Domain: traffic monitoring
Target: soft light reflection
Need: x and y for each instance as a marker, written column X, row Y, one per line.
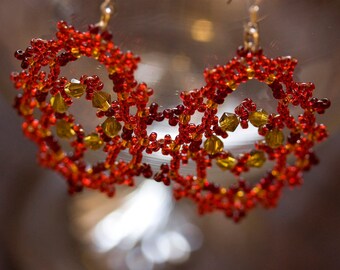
column 152, row 69
column 142, row 228
column 146, row 209
column 202, row 30
column 181, row 63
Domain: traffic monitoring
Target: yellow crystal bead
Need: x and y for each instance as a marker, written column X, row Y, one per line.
column 256, row 159
column 270, row 79
column 111, row 127
column 250, row 73
column 275, row 138
column 232, row 85
column 25, row 109
column 229, row 122
column 75, row 51
column 258, row 118
column 226, row 163
column 93, row 141
column 213, row 145
column 58, row 103
column 211, row 104
column 64, row 129
column 240, row 194
column 95, row 53
column 184, row 118
column 101, row 100
column 75, row 88
column 112, row 70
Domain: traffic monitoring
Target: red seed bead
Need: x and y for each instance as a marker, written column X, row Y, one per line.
column 120, row 130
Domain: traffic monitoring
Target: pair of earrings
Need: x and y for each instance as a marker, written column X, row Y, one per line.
column 202, row 144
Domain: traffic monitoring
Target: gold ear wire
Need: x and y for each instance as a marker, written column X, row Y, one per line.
column 251, row 30
column 108, row 8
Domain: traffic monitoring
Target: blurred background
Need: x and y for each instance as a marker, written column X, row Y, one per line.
column 41, row 227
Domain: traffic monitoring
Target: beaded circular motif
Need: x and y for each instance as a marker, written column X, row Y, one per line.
column 120, row 130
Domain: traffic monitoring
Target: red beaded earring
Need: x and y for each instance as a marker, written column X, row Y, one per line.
column 202, row 144
column 52, row 95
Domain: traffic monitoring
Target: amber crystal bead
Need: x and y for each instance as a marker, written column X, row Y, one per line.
column 256, row 159
column 75, row 88
column 213, row 145
column 232, row 85
column 227, row 163
column 93, row 141
column 111, row 127
column 64, row 129
column 101, row 100
column 270, row 79
column 58, row 103
column 184, row 119
column 250, row 73
column 274, row 138
column 229, row 122
column 258, row 118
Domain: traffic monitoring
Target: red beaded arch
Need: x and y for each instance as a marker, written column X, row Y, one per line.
column 200, row 143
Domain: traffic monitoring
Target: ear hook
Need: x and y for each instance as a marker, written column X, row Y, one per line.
column 108, row 8
column 251, row 30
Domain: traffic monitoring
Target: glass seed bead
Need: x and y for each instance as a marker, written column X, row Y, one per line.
column 184, row 118
column 64, row 129
column 226, row 163
column 229, row 122
column 250, row 73
column 213, row 145
column 232, row 85
column 275, row 138
column 75, row 52
column 256, row 159
column 101, row 100
column 111, row 127
column 93, row 141
column 75, row 88
column 58, row 103
column 270, row 79
column 258, row 118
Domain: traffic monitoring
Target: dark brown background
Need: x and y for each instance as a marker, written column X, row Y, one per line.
column 302, row 233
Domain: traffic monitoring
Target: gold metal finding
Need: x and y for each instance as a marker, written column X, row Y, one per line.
column 251, row 30
column 107, row 8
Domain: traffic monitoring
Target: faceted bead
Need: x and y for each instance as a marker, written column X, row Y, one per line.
column 75, row 52
column 229, row 122
column 226, row 163
column 111, row 127
column 256, row 159
column 75, row 88
column 93, row 141
column 184, row 119
column 58, row 103
column 64, row 129
column 250, row 73
column 232, row 85
column 25, row 110
column 258, row 118
column 275, row 138
column 270, row 79
column 101, row 100
column 213, row 145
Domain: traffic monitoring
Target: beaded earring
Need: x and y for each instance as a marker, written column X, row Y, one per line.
column 53, row 95
column 302, row 133
column 202, row 144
